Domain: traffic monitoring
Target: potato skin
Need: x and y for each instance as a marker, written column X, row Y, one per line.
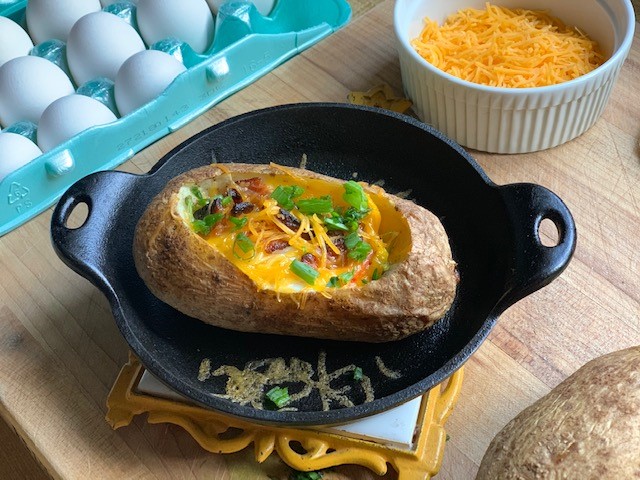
column 588, row 427
column 182, row 270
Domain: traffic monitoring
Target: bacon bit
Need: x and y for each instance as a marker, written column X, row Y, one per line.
column 256, row 184
column 288, row 219
column 216, row 205
column 275, row 245
column 242, row 207
column 235, row 195
column 310, row 260
column 334, row 259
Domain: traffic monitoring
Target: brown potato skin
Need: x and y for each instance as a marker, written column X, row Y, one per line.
column 588, row 427
column 182, row 270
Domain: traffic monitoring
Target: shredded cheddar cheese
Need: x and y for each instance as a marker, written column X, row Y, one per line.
column 501, row 47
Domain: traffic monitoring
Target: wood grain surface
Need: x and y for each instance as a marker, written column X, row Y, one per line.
column 60, row 350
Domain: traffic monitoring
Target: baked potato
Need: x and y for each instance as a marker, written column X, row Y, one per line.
column 264, row 248
column 588, row 427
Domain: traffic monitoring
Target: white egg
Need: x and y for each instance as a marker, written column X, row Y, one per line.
column 27, row 86
column 263, row 6
column 144, row 77
column 190, row 21
column 53, row 19
column 14, row 41
column 15, row 151
column 98, row 45
column 69, row 116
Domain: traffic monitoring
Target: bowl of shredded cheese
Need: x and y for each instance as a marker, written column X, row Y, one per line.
column 514, row 76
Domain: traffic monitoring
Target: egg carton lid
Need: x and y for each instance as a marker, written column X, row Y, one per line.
column 246, row 46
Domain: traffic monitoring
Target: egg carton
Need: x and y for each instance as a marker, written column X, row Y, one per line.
column 246, row 46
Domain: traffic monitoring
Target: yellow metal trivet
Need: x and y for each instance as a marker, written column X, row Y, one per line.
column 219, row 433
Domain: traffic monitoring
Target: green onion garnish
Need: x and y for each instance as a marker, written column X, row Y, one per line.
column 360, row 251
column 354, row 195
column 358, row 248
column 341, row 280
column 238, row 222
column 351, row 240
column 246, row 246
column 309, row 206
column 205, row 225
column 335, row 224
column 357, row 374
column 304, row 271
column 285, row 195
column 279, row 396
column 188, row 202
column 196, row 192
column 334, row 282
column 376, row 275
column 305, row 476
column 226, row 201
column 346, row 277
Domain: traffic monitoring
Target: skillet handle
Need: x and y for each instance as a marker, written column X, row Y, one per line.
column 536, row 265
column 81, row 248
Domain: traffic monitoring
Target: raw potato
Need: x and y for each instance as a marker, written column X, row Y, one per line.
column 184, row 271
column 588, row 427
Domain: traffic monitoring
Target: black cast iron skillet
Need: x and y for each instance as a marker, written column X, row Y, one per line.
column 493, row 232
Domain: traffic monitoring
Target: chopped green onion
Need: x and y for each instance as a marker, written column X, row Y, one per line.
column 346, row 277
column 305, row 476
column 335, row 224
column 304, row 271
column 205, row 225
column 354, row 195
column 279, row 396
column 188, row 202
column 365, row 281
column 309, row 206
column 351, row 240
column 357, row 374
column 238, row 222
column 213, row 218
column 245, row 244
column 226, row 201
column 341, row 280
column 200, row 227
column 376, row 275
column 285, row 195
column 334, row 282
column 360, row 251
column 196, row 192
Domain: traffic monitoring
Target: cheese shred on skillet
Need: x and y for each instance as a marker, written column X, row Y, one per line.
column 501, row 47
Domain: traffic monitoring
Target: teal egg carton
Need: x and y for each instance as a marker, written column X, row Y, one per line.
column 246, row 46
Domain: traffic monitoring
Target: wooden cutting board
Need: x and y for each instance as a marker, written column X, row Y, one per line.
column 60, row 350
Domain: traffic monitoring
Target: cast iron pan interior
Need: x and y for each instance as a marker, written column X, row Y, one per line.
column 492, row 230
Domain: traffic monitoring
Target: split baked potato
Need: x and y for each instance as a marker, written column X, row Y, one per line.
column 588, row 427
column 271, row 249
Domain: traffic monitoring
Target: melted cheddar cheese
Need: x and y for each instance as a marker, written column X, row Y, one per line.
column 266, row 240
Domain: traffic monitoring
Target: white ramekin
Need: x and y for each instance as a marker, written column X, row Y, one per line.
column 513, row 120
